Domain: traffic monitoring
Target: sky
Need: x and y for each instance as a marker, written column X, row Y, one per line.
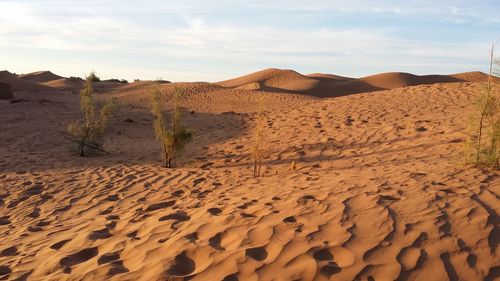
column 213, row 40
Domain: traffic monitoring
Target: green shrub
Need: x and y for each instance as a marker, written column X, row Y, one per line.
column 87, row 134
column 483, row 145
column 172, row 138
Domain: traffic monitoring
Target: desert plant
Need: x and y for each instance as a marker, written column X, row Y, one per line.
column 174, row 138
column 88, row 133
column 483, row 146
column 93, row 77
column 257, row 149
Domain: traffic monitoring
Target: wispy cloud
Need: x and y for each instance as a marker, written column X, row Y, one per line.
column 214, row 40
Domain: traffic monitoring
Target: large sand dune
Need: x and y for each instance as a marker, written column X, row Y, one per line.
column 329, row 85
column 40, row 76
column 379, row 192
column 19, row 84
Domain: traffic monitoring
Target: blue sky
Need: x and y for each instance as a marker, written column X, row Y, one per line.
column 213, row 40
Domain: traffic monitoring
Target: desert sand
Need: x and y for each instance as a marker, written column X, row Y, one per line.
column 379, row 192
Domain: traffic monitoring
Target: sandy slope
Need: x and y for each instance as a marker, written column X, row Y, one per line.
column 378, row 193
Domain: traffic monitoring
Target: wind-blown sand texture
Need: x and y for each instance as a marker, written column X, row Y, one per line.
column 378, row 194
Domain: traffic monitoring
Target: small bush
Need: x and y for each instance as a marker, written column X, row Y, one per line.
column 87, row 134
column 483, row 145
column 172, row 138
column 93, row 77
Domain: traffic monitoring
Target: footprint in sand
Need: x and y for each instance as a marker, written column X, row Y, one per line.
column 161, row 205
column 215, row 242
column 108, row 258
column 133, row 234
column 214, row 211
column 113, row 198
column 198, row 180
column 247, row 216
column 231, row 277
column 11, row 251
column 5, row 271
column 34, row 190
column 330, row 269
column 61, row 210
column 107, row 211
column 258, row 254
column 117, row 267
column 323, row 255
column 4, row 220
column 100, row 234
column 59, row 244
column 182, row 266
column 178, row 193
column 178, row 217
column 34, row 228
column 192, row 237
column 304, row 199
column 79, row 257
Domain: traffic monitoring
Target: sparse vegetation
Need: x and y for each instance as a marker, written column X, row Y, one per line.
column 483, row 145
column 257, row 151
column 114, row 80
column 88, row 133
column 93, row 77
column 174, row 138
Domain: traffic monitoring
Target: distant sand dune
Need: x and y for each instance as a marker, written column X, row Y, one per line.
column 40, row 76
column 19, row 84
column 329, row 85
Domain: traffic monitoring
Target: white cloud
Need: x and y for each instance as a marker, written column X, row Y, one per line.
column 102, row 36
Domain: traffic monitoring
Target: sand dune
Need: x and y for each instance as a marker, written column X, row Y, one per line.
column 19, row 84
column 67, row 84
column 378, row 194
column 329, row 85
column 40, row 76
column 273, row 80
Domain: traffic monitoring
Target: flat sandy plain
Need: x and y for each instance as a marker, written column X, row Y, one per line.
column 379, row 192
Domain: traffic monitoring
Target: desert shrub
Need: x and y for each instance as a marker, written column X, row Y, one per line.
column 483, row 145
column 258, row 135
column 93, row 77
column 87, row 134
column 172, row 138
column 115, row 80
